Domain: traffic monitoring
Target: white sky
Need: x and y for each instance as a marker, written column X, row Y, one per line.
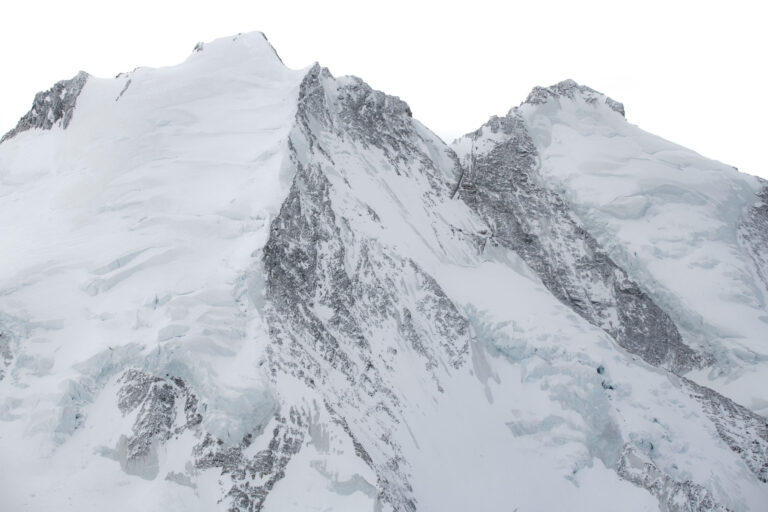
column 692, row 72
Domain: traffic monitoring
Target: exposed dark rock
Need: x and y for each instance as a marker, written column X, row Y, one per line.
column 673, row 495
column 570, row 89
column 155, row 399
column 52, row 107
column 501, row 182
column 745, row 432
column 376, row 119
column 253, row 478
column 6, row 354
column 753, row 234
column 125, row 88
column 11, row 331
column 308, row 271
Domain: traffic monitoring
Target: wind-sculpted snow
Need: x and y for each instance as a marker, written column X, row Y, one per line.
column 502, row 183
column 55, row 106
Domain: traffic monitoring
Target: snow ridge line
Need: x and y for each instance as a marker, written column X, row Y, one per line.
column 306, row 260
column 503, row 185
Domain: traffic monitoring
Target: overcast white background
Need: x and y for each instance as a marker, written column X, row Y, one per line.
column 692, row 72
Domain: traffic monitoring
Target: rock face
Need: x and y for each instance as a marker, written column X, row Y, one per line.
column 278, row 291
column 156, row 402
column 253, row 477
column 54, row 107
column 11, row 329
column 570, row 89
column 322, row 316
column 745, row 432
column 165, row 408
column 753, row 234
column 501, row 182
column 673, row 495
column 5, row 352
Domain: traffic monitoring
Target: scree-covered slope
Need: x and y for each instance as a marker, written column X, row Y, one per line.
column 229, row 285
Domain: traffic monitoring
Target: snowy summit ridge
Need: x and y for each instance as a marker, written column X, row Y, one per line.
column 255, row 42
column 570, row 89
column 237, row 286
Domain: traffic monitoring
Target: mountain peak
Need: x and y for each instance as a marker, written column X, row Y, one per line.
column 227, row 280
column 570, row 89
column 254, row 43
column 245, row 51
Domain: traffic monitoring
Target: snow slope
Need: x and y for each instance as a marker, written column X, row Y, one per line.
column 671, row 218
column 237, row 286
column 131, row 231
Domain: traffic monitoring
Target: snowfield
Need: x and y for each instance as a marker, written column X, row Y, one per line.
column 228, row 285
column 671, row 218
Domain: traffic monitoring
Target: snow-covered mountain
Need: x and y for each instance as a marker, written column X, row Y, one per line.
column 229, row 285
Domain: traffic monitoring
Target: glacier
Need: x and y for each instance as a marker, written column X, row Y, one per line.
column 230, row 285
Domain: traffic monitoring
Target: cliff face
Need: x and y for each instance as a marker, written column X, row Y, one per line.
column 53, row 107
column 501, row 181
column 237, row 286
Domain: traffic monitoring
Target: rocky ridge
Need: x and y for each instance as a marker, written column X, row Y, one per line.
column 56, row 106
column 500, row 181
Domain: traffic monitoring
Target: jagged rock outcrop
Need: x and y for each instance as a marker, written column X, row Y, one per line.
column 6, row 349
column 253, row 477
column 156, row 402
column 11, row 331
column 165, row 408
column 673, row 495
column 54, row 107
column 325, row 304
column 5, row 352
column 753, row 234
column 501, row 182
column 570, row 89
column 745, row 432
